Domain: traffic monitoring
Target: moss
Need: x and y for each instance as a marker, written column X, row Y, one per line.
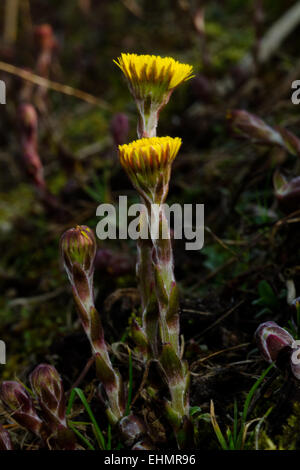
column 87, row 128
column 290, row 437
column 15, row 203
column 265, row 442
column 57, row 182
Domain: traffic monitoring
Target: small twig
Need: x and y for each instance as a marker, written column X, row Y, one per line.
column 219, row 320
column 45, row 82
column 85, row 370
column 221, row 242
column 37, row 299
column 197, row 312
column 215, row 272
column 285, row 220
column 217, row 353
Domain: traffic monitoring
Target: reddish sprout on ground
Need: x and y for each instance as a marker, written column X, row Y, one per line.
column 252, row 127
column 28, row 129
column 28, row 126
column 46, row 44
column 44, row 37
column 49, row 423
column 291, row 141
column 271, row 339
column 199, row 21
column 119, row 127
column 47, row 385
column 21, row 406
column 249, row 126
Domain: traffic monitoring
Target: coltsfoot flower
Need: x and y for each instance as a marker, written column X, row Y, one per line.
column 148, row 164
column 151, row 80
column 149, row 154
column 153, row 75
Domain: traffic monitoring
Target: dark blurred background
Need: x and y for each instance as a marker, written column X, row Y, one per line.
column 73, row 43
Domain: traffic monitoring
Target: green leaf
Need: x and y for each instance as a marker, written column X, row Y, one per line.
column 267, row 295
column 81, row 436
column 97, row 431
column 194, row 410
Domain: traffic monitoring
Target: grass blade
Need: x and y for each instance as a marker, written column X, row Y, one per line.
column 98, row 434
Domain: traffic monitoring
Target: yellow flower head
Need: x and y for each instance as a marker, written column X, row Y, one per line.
column 149, row 154
column 154, row 76
column 148, row 165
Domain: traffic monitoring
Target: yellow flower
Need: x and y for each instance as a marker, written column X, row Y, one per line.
column 154, row 69
column 151, row 80
column 150, row 153
column 148, row 164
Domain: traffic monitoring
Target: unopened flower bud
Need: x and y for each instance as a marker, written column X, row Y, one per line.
column 44, row 36
column 28, row 119
column 47, row 385
column 78, row 246
column 78, row 250
column 28, row 124
column 287, row 192
column 119, row 128
column 199, row 21
column 291, row 142
column 250, row 126
column 271, row 339
column 17, row 400
column 15, row 396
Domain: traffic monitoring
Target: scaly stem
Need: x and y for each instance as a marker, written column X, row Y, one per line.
column 92, row 326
